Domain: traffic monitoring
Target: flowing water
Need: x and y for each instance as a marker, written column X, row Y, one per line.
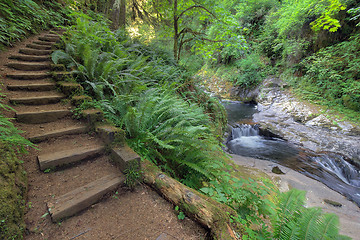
column 332, row 169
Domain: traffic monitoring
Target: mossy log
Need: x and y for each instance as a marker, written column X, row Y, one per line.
column 202, row 209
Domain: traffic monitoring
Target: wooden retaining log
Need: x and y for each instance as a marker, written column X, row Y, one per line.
column 202, row 209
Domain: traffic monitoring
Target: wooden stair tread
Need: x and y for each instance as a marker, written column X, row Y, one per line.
column 41, row 116
column 52, row 35
column 56, row 159
column 58, row 133
column 44, row 43
column 29, row 51
column 47, row 86
column 38, row 46
column 37, row 100
column 30, row 58
column 28, row 75
column 29, row 66
column 49, row 38
column 83, row 197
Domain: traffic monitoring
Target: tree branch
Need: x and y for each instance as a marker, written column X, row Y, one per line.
column 196, row 6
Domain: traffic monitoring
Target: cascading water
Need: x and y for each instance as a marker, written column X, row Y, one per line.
column 347, row 172
column 329, row 168
column 246, row 141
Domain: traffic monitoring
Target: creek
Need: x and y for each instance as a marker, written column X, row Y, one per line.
column 247, row 139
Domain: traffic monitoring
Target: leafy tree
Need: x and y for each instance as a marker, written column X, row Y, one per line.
column 202, row 25
column 327, row 21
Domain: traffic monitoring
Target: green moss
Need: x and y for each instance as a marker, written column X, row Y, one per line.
column 13, row 187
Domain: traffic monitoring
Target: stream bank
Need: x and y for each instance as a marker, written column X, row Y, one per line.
column 303, row 127
column 317, row 193
column 301, row 123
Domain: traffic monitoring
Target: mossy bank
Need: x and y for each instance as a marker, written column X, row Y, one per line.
column 13, row 188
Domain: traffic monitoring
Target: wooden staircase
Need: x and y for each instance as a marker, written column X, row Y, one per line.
column 63, row 142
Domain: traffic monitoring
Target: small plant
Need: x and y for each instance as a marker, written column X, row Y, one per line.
column 132, row 175
column 115, row 195
column 180, row 214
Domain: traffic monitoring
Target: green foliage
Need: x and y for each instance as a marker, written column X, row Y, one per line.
column 175, row 134
column 132, row 175
column 355, row 12
column 134, row 85
column 13, row 187
column 21, row 18
column 248, row 197
column 332, row 75
column 250, row 71
column 9, row 134
column 180, row 214
column 327, row 21
column 294, row 221
column 287, row 32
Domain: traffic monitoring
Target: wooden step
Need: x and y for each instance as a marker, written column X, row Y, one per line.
column 42, row 116
column 58, row 29
column 49, row 39
column 52, row 35
column 30, row 58
column 124, row 156
column 83, row 197
column 57, row 159
column 43, row 43
column 38, row 46
column 54, row 98
column 29, row 51
column 58, row 133
column 28, row 75
column 32, row 87
column 29, row 66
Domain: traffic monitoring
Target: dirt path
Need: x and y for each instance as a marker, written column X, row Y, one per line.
column 107, row 210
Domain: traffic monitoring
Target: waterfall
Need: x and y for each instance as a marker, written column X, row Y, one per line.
column 244, row 130
column 336, row 164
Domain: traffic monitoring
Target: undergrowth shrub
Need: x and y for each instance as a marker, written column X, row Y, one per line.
column 13, row 181
column 13, row 187
column 123, row 75
column 21, row 18
column 332, row 75
column 251, row 71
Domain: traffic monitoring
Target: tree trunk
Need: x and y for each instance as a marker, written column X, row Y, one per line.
column 115, row 14
column 122, row 21
column 204, row 210
column 176, row 31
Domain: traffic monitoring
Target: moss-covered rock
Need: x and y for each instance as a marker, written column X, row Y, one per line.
column 13, row 188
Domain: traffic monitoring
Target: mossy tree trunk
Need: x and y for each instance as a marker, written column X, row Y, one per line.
column 204, row 210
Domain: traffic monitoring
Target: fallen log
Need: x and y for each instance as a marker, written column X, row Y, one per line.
column 202, row 209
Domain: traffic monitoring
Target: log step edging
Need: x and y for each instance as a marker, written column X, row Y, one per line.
column 29, row 51
column 41, row 116
column 57, row 159
column 54, row 98
column 28, row 76
column 32, row 87
column 58, row 133
column 30, row 58
column 83, row 197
